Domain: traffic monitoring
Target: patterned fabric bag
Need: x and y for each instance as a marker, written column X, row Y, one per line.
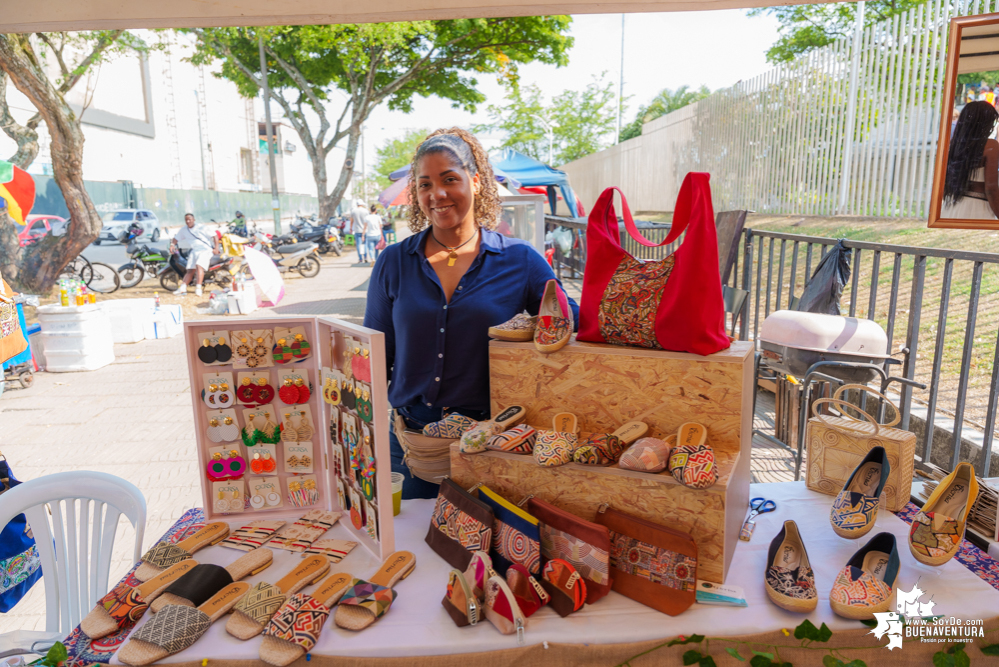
column 651, row 564
column 12, row 340
column 20, row 565
column 627, row 301
column 460, row 525
column 516, row 534
column 583, row 544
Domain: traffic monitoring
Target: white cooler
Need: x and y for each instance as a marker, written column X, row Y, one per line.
column 128, row 318
column 76, row 338
column 164, row 322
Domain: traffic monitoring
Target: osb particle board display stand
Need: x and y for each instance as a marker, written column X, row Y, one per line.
column 326, row 337
column 606, row 386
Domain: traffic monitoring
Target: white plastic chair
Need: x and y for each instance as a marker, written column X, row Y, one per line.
column 75, row 541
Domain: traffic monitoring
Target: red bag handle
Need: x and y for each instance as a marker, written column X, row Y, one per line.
column 681, row 216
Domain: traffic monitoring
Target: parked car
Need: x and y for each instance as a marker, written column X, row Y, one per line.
column 39, row 226
column 116, row 222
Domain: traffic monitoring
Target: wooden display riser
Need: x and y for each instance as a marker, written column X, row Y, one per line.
column 606, row 386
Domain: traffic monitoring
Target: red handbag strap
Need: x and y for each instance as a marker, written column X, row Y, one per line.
column 681, row 216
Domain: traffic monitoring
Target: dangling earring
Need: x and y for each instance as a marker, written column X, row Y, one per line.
column 207, row 353
column 256, row 465
column 229, row 430
column 223, row 353
column 243, row 349
column 305, row 431
column 281, row 352
column 216, row 469
column 265, row 392
column 247, row 393
column 214, row 431
column 304, row 393
column 221, row 504
column 225, row 397
column 269, row 465
column 210, row 395
column 236, row 463
column 290, row 432
column 250, row 432
column 288, row 392
column 257, row 502
column 300, row 348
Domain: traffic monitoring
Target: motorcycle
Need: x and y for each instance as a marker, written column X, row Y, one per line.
column 143, row 259
column 308, row 232
column 299, row 257
column 219, row 270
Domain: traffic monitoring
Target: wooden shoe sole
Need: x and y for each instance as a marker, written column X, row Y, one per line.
column 855, row 533
column 252, row 562
column 121, row 608
column 287, row 637
column 251, row 615
column 789, row 603
column 358, row 614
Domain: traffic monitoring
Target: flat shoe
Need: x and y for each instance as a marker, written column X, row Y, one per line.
column 647, row 455
column 554, row 327
column 367, row 601
column 692, row 461
column 518, row 440
column 855, row 509
column 294, row 629
column 254, row 611
column 937, row 529
column 603, row 449
column 165, row 554
column 790, row 582
column 556, row 447
column 864, row 586
column 452, row 426
column 517, row 329
column 124, row 605
column 204, row 579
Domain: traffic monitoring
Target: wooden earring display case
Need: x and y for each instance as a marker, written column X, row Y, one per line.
column 326, row 337
column 606, row 386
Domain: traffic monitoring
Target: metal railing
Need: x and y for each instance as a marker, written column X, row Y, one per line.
column 947, row 336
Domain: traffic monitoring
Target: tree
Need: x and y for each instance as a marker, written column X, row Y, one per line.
column 663, row 103
column 24, row 61
column 310, row 66
column 807, row 27
column 396, row 154
column 581, row 121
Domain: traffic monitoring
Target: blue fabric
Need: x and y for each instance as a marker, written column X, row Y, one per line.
column 19, row 562
column 416, row 417
column 438, row 353
column 531, row 173
column 369, row 243
column 23, row 357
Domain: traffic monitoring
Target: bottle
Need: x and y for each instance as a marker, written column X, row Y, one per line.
column 156, row 298
column 63, row 295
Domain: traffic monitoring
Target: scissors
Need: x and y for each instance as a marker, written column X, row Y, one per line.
column 757, row 506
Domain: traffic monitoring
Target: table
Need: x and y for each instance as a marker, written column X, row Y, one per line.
column 417, row 625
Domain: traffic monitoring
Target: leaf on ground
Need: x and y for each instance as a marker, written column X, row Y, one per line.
column 691, row 657
column 735, row 654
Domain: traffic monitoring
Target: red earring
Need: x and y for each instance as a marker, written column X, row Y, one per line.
column 268, row 463
column 264, row 392
column 304, row 394
column 247, row 393
column 257, row 465
column 288, row 392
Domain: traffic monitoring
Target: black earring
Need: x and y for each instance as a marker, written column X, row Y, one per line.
column 223, row 352
column 207, row 353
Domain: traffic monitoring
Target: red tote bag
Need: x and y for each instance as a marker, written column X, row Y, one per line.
column 670, row 304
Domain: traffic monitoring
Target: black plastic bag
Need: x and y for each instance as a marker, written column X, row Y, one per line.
column 825, row 288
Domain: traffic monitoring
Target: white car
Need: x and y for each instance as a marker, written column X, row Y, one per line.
column 117, row 222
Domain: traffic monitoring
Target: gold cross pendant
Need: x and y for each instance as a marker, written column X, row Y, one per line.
column 452, row 258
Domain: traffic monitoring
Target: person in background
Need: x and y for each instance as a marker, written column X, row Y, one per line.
column 203, row 245
column 971, row 184
column 358, row 223
column 372, row 234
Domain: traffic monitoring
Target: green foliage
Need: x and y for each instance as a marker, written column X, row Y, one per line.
column 832, row 661
column 807, row 27
column 692, row 657
column 808, row 631
column 56, row 655
column 760, row 659
column 681, row 640
column 991, row 649
column 666, row 101
column 976, row 78
column 581, row 120
column 954, row 656
column 397, row 153
column 735, row 654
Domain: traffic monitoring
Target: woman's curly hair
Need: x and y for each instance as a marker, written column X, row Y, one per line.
column 466, row 149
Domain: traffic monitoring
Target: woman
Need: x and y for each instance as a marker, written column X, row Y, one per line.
column 436, row 293
column 971, row 185
column 372, row 233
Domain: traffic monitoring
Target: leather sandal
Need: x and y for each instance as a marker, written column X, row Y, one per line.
column 205, row 579
column 165, row 554
column 124, row 605
column 251, row 614
column 367, row 601
column 295, row 628
column 178, row 627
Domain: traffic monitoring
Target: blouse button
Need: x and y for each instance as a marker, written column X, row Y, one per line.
column 445, row 307
column 440, row 356
column 459, row 288
column 437, row 379
column 442, row 330
column 429, row 405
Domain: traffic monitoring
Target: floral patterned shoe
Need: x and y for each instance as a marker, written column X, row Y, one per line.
column 938, row 528
column 864, row 586
column 855, row 509
column 554, row 320
column 519, row 328
column 452, row 426
column 790, row 582
column 602, row 449
column 554, row 448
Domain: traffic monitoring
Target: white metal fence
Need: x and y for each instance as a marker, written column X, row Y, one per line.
column 848, row 129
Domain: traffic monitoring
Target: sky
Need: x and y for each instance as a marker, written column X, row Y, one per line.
column 662, row 50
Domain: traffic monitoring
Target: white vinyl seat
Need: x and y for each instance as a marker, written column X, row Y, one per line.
column 73, row 517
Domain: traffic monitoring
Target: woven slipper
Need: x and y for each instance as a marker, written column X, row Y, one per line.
column 124, row 605
column 367, row 601
column 555, row 448
column 518, row 440
column 692, row 461
column 178, row 627
column 204, row 579
column 164, row 554
column 451, row 427
column 251, row 615
column 606, row 448
column 295, row 628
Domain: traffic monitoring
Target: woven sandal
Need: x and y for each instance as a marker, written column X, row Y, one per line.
column 164, row 554
column 604, row 449
column 178, row 627
column 692, row 461
column 555, row 448
column 204, row 579
column 251, row 615
column 367, row 601
column 554, row 328
column 517, row 440
column 295, row 628
column 124, row 605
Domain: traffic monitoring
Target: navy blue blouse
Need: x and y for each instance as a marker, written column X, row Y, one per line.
column 438, row 351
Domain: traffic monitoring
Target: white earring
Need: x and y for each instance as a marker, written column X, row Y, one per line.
column 228, row 431
column 214, row 430
column 257, row 502
column 221, row 505
column 273, row 499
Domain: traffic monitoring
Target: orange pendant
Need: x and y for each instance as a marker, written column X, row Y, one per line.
column 452, row 258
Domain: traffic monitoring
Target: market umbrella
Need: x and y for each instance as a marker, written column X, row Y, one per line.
column 265, row 273
column 396, row 194
column 17, row 188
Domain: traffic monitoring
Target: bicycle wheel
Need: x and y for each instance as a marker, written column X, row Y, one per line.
column 131, row 274
column 103, row 278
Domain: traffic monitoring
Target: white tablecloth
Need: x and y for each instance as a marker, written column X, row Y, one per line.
column 418, row 625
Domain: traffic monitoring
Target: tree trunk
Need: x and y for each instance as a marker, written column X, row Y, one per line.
column 345, row 173
column 39, row 265
column 25, row 135
column 327, row 207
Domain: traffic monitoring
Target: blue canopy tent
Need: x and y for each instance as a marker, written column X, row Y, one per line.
column 532, row 173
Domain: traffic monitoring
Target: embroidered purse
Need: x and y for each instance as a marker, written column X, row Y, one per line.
column 502, row 609
column 565, row 586
column 12, row 340
column 583, row 544
column 516, row 534
column 651, row 564
column 460, row 525
column 529, row 593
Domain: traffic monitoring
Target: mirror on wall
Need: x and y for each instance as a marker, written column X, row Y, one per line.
column 966, row 178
